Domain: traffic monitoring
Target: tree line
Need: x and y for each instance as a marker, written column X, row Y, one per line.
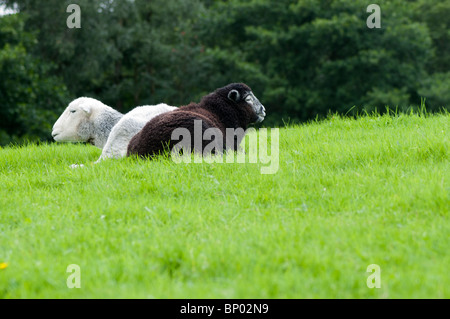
column 302, row 58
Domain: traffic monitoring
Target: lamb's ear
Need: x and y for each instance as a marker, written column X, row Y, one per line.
column 86, row 108
column 234, row 95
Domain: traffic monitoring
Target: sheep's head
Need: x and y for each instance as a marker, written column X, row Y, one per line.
column 73, row 125
column 244, row 98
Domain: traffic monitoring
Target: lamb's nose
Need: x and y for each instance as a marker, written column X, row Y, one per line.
column 262, row 110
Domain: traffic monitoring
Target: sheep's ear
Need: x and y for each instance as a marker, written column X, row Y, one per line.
column 234, row 95
column 86, row 108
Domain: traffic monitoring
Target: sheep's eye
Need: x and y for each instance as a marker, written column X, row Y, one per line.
column 73, row 111
column 249, row 99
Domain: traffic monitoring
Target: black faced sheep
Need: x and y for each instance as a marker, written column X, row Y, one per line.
column 89, row 120
column 231, row 107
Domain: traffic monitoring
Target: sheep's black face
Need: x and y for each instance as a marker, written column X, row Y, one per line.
column 257, row 107
column 241, row 93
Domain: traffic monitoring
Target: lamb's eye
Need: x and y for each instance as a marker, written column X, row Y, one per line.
column 73, row 111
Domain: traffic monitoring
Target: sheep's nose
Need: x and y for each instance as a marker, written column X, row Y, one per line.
column 262, row 110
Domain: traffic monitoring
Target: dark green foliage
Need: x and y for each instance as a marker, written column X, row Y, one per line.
column 126, row 52
column 302, row 58
column 317, row 56
column 436, row 87
column 30, row 97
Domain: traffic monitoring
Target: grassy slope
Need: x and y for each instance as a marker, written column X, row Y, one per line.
column 348, row 194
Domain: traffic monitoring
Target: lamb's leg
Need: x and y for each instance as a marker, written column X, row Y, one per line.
column 120, row 136
column 76, row 165
column 118, row 139
column 106, row 153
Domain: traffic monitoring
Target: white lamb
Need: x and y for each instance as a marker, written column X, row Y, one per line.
column 89, row 120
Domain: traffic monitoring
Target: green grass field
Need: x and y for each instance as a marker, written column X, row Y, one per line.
column 348, row 193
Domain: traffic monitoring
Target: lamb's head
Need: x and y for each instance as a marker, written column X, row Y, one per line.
column 74, row 123
column 245, row 100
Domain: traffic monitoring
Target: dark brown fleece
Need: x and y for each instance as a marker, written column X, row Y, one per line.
column 215, row 110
